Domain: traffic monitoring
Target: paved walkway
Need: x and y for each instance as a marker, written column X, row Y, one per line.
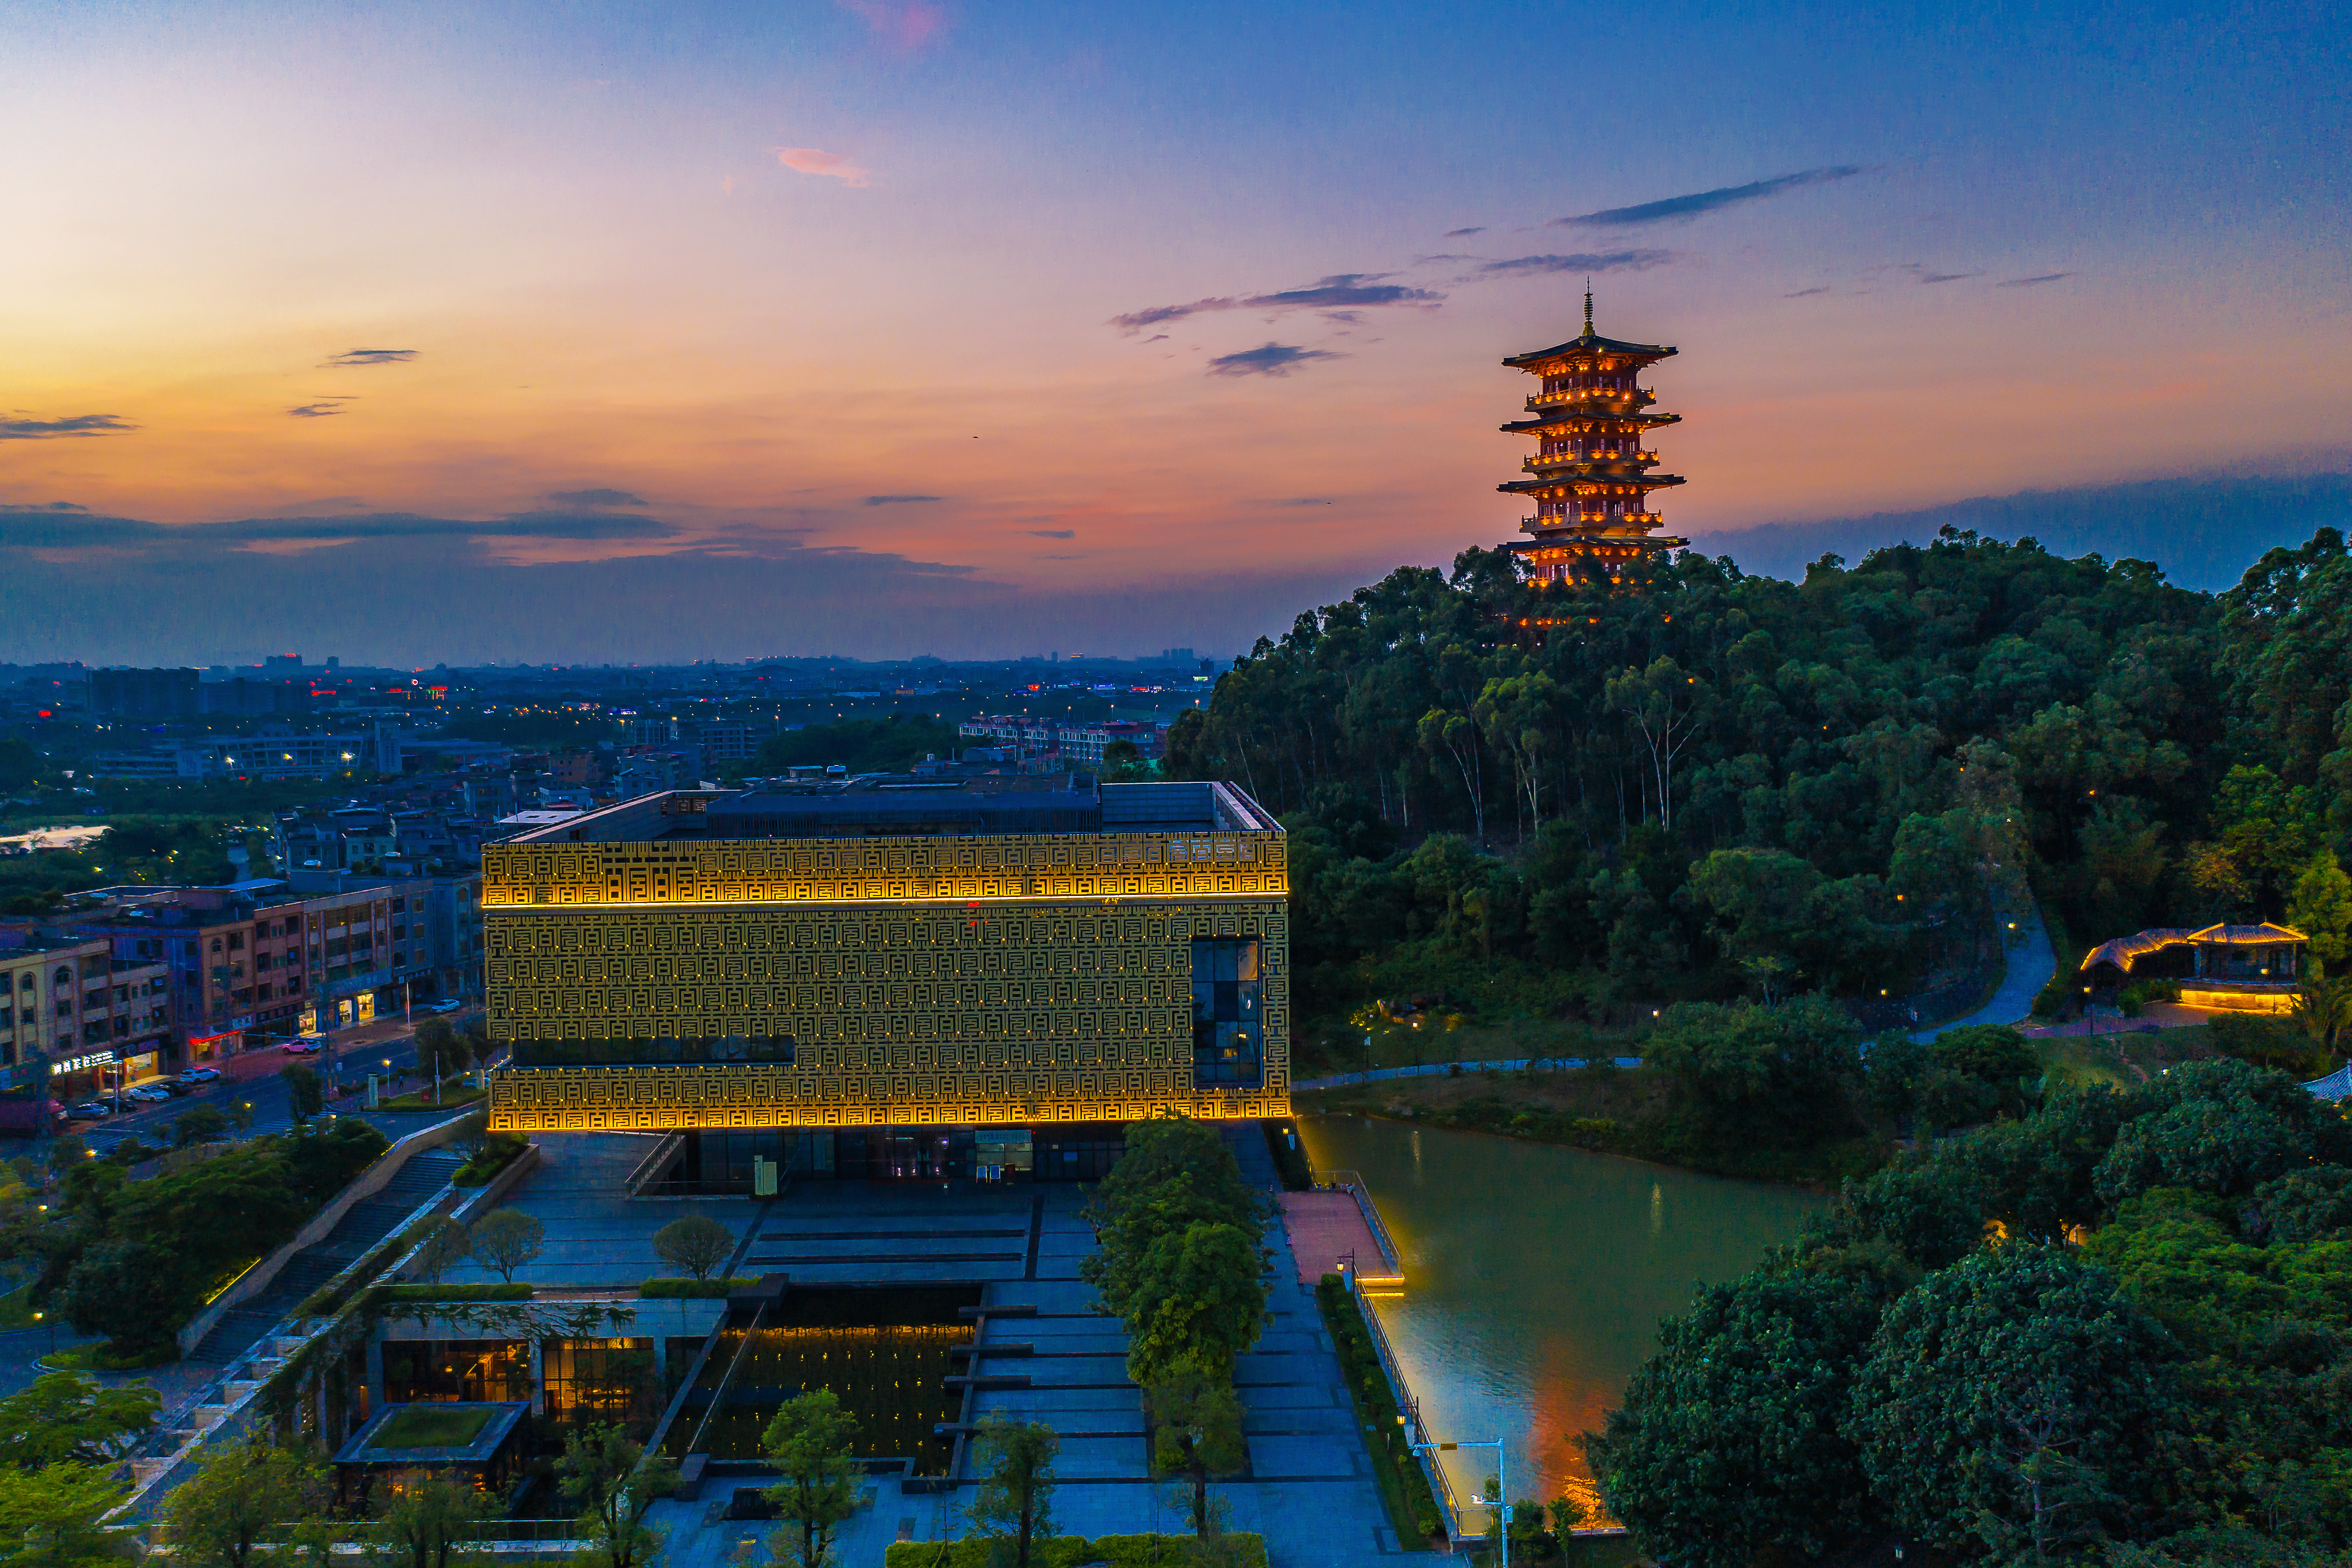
column 1325, row 1228
column 2032, row 964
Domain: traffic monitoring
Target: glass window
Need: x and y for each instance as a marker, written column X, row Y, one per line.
column 1227, row 1024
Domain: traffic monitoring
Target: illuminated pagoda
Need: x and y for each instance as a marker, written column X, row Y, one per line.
column 1590, row 475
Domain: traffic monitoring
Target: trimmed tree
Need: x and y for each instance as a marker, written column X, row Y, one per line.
column 506, row 1239
column 695, row 1245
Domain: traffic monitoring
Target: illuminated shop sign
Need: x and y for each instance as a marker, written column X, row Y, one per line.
column 77, row 1064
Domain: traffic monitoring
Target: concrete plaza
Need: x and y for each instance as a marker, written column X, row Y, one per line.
column 1309, row 1490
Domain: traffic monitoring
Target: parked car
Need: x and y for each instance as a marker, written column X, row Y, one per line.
column 305, row 1046
column 195, row 1076
column 149, row 1094
column 448, row 1007
column 90, row 1110
column 172, row 1085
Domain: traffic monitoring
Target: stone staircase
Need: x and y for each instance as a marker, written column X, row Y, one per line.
column 259, row 1360
column 368, row 1222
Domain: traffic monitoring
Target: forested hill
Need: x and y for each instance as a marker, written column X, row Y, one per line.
column 1708, row 784
column 2202, row 532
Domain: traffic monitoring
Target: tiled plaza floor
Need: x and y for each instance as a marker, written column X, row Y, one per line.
column 1309, row 1491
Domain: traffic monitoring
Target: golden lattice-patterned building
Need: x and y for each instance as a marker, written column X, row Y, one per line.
column 948, row 959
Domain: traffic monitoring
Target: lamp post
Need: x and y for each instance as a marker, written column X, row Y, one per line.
column 1502, row 1509
column 44, row 1318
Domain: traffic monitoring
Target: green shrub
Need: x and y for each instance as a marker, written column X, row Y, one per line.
column 2051, row 999
column 518, row 1292
column 691, row 1289
column 499, row 1149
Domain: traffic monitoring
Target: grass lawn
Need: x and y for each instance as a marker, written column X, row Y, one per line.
column 430, row 1426
column 2081, row 1060
column 453, row 1095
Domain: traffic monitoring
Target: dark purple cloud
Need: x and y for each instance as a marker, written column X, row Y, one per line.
column 1582, row 261
column 1342, row 290
column 1699, row 202
column 63, row 429
column 372, row 356
column 2029, row 282
column 1272, row 359
column 598, row 498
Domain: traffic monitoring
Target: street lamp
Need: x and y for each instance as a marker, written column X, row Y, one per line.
column 1502, row 1509
column 44, row 1317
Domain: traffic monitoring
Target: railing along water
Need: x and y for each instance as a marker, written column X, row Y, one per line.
column 1439, row 1487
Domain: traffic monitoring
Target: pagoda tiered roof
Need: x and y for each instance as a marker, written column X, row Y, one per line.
column 1545, row 421
column 1595, row 472
column 1588, row 341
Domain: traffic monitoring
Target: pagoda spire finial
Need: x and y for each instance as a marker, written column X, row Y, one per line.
column 1587, row 306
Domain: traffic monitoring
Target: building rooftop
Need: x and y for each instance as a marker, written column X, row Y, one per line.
column 447, row 1432
column 1589, row 342
column 903, row 805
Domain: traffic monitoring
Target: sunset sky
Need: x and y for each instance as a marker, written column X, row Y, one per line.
column 899, row 326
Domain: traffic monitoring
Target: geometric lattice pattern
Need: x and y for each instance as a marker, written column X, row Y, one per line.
column 826, row 871
column 906, row 1008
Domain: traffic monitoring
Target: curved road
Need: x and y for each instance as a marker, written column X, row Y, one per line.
column 2032, row 964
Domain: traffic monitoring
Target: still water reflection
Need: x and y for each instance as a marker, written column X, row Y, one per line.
column 1536, row 1278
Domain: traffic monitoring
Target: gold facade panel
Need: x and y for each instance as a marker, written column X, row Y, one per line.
column 936, row 1014
column 837, row 871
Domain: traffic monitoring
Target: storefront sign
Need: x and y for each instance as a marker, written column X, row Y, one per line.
column 81, row 1064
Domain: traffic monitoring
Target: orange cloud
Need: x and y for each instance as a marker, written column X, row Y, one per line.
column 816, row 161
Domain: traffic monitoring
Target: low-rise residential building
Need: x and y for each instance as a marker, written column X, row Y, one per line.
column 76, row 1013
column 278, row 957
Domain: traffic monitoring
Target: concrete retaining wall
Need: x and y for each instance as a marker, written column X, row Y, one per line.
column 366, row 1184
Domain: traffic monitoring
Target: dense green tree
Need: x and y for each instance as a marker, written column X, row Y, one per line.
column 2222, row 1127
column 235, row 1512
column 1201, row 1296
column 1196, row 1428
column 811, row 1442
column 611, row 1480
column 1014, row 1501
column 1728, row 1444
column 1772, row 1074
column 2013, row 1403
column 53, row 1517
column 134, row 1292
column 65, row 1417
column 437, row 1522
column 305, row 1097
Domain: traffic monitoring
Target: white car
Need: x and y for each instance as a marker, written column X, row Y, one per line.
column 148, row 1095
column 449, row 1006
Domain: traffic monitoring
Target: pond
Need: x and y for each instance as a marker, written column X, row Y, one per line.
column 1536, row 1276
